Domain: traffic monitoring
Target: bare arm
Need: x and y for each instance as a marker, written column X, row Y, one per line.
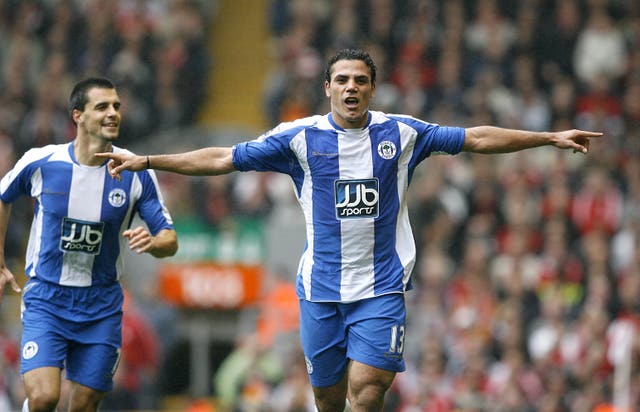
column 5, row 274
column 163, row 244
column 201, row 162
column 489, row 139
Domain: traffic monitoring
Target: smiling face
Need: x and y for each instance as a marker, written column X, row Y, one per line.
column 100, row 118
column 350, row 89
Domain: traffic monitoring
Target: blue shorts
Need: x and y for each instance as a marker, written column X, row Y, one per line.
column 88, row 350
column 370, row 331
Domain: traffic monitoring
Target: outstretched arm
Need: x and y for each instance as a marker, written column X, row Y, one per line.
column 489, row 139
column 201, row 162
column 5, row 274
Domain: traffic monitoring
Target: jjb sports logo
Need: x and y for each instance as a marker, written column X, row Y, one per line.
column 356, row 198
column 81, row 236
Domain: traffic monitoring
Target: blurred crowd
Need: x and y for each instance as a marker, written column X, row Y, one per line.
column 528, row 272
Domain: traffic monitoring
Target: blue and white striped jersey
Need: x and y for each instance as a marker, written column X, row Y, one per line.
column 352, row 187
column 80, row 214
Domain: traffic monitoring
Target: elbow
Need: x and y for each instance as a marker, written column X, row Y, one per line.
column 476, row 142
column 165, row 252
column 482, row 139
column 471, row 140
column 473, row 145
column 168, row 247
column 173, row 250
column 172, row 247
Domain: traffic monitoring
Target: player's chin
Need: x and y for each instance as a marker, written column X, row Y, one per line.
column 357, row 117
column 111, row 137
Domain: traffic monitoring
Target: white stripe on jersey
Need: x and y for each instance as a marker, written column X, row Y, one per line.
column 85, row 203
column 299, row 145
column 405, row 245
column 33, row 245
column 135, row 192
column 357, row 235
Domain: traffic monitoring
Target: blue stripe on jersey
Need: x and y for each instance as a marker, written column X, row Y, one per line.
column 270, row 152
column 388, row 268
column 433, row 138
column 56, row 185
column 114, row 218
column 152, row 212
column 322, row 158
column 13, row 185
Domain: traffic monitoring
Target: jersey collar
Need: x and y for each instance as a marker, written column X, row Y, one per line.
column 335, row 126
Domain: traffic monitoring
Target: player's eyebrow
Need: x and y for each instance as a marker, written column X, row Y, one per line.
column 360, row 78
column 103, row 104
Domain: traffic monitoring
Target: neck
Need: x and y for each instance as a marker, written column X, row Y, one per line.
column 355, row 124
column 84, row 149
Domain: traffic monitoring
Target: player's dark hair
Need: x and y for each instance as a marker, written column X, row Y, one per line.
column 351, row 54
column 79, row 98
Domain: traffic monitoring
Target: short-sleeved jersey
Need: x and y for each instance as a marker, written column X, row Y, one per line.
column 351, row 185
column 80, row 214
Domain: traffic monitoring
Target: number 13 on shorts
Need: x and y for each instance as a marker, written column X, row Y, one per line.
column 397, row 339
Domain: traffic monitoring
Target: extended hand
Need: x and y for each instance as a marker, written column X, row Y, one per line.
column 578, row 140
column 140, row 240
column 123, row 161
column 7, row 277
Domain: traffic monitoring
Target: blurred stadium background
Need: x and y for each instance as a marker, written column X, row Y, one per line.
column 528, row 273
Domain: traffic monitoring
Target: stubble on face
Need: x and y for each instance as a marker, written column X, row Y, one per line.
column 350, row 90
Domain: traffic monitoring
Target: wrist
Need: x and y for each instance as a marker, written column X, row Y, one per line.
column 551, row 139
column 148, row 163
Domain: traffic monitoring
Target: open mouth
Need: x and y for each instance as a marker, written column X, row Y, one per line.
column 351, row 102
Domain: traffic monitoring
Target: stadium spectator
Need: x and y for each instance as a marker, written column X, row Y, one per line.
column 597, row 204
column 600, row 48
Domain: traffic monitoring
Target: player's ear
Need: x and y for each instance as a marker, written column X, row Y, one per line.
column 327, row 89
column 75, row 115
